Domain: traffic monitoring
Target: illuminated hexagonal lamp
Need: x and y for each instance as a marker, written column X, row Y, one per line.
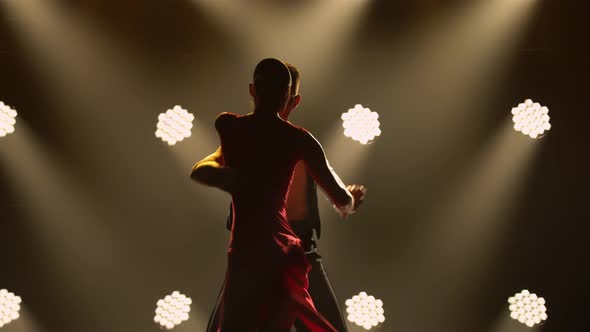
column 365, row 311
column 7, row 119
column 9, row 307
column 361, row 124
column 172, row 310
column 531, row 119
column 527, row 308
column 174, row 125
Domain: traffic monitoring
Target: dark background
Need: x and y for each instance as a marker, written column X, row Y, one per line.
column 98, row 219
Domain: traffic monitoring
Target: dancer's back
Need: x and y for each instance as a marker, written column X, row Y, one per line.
column 265, row 150
column 266, row 278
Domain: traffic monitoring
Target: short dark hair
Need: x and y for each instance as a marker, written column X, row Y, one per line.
column 272, row 81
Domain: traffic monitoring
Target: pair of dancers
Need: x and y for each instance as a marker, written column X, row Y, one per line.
column 269, row 257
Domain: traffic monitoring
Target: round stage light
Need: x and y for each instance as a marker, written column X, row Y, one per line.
column 361, row 124
column 172, row 310
column 365, row 311
column 531, row 119
column 7, row 119
column 527, row 308
column 9, row 307
column 174, row 125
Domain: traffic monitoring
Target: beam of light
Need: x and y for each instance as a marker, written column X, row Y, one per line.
column 486, row 189
column 365, row 310
column 9, row 307
column 72, row 56
column 467, row 46
column 531, row 119
column 172, row 310
column 310, row 34
column 86, row 73
column 506, row 324
column 361, row 124
column 442, row 73
column 61, row 220
column 438, row 80
column 26, row 323
column 77, row 244
column 93, row 80
column 527, row 308
column 175, row 125
column 469, row 221
column 441, row 76
column 58, row 207
column 65, row 51
column 7, row 119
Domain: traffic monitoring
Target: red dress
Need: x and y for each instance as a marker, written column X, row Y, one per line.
column 266, row 278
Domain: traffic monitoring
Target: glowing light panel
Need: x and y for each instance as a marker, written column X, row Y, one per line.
column 365, row 311
column 7, row 119
column 361, row 124
column 531, row 119
column 9, row 307
column 527, row 308
column 174, row 125
column 172, row 310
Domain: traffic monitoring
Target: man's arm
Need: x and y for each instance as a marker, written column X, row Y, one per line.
column 216, row 158
column 210, row 171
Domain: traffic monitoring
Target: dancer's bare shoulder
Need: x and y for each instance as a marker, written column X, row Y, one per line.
column 222, row 119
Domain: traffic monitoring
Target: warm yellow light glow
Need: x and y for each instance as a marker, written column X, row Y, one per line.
column 361, row 124
column 317, row 31
column 531, row 119
column 172, row 310
column 527, row 308
column 7, row 119
column 365, row 311
column 174, row 125
column 9, row 307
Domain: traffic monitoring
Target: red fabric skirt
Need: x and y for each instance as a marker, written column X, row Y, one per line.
column 268, row 293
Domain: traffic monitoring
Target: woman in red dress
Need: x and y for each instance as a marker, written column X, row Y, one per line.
column 266, row 277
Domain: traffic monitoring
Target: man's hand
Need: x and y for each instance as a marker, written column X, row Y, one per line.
column 358, row 192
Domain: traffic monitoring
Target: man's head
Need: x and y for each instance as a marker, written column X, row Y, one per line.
column 271, row 86
column 294, row 96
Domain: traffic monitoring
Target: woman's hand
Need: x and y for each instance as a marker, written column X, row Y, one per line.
column 358, row 196
column 358, row 192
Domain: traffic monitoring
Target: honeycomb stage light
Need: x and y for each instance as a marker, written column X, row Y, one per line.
column 174, row 125
column 9, row 307
column 7, row 119
column 365, row 311
column 361, row 124
column 527, row 308
column 172, row 310
column 531, row 119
